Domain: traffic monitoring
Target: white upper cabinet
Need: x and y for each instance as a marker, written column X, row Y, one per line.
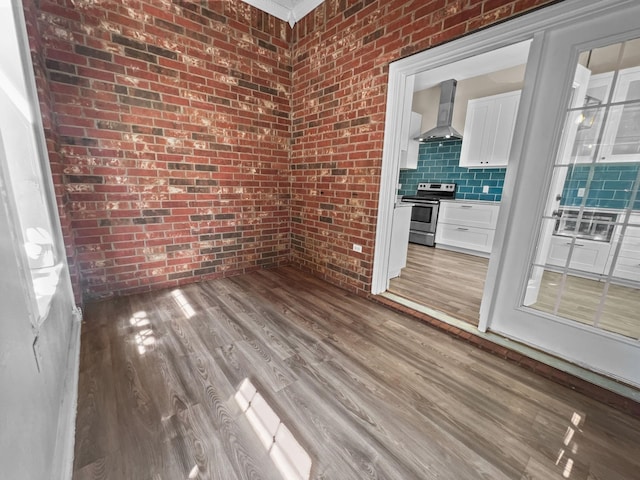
column 488, row 130
column 620, row 136
column 409, row 156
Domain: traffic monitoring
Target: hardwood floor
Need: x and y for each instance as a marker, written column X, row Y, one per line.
column 446, row 281
column 369, row 393
column 453, row 282
column 581, row 301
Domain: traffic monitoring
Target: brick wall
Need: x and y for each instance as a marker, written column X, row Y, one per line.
column 340, row 56
column 52, row 139
column 206, row 138
column 174, row 135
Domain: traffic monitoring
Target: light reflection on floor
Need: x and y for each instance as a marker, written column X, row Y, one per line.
column 567, row 441
column 144, row 336
column 183, row 303
column 291, row 459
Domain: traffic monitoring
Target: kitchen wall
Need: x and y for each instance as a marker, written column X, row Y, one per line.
column 500, row 81
column 173, row 125
column 610, row 187
column 341, row 53
column 438, row 162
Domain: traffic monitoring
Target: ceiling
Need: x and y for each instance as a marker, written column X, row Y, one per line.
column 488, row 62
column 288, row 10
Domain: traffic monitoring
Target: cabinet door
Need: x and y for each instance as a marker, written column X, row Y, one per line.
column 505, row 111
column 488, row 130
column 622, row 130
column 587, row 255
column 591, row 125
column 477, row 133
column 469, row 214
column 409, row 158
column 628, row 261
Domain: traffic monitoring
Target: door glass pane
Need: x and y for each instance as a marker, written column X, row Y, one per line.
column 587, row 262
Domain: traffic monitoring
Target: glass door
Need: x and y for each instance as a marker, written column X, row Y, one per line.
column 570, row 278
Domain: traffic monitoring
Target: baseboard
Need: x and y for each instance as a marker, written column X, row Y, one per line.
column 65, row 442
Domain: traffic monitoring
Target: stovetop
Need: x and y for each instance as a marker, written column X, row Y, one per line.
column 432, row 193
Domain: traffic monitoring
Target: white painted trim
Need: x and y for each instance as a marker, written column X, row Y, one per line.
column 272, row 8
column 302, row 9
column 65, row 441
column 505, row 218
column 389, row 183
column 291, row 12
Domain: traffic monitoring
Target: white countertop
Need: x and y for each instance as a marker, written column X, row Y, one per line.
column 462, row 200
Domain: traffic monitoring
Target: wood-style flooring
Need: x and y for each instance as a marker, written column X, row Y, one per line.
column 369, row 393
column 447, row 281
column 453, row 283
column 581, row 301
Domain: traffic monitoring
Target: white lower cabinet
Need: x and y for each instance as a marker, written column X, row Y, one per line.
column 399, row 238
column 587, row 255
column 470, row 238
column 597, row 257
column 628, row 262
column 467, row 226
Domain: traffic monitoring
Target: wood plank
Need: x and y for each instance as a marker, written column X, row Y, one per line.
column 453, row 283
column 368, row 392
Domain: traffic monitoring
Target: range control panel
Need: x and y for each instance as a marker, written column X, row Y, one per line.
column 437, row 187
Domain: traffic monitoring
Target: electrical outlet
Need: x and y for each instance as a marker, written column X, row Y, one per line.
column 399, row 186
column 357, row 248
column 485, row 189
column 581, row 192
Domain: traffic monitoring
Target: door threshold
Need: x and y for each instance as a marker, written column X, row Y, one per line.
column 500, row 343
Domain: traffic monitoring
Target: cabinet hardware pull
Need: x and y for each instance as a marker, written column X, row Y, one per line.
column 463, row 229
column 576, row 244
column 466, row 206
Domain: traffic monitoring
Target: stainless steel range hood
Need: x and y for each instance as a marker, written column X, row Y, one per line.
column 443, row 129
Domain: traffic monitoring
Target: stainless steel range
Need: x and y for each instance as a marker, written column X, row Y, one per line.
column 424, row 214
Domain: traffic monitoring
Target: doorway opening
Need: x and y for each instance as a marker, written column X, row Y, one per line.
column 446, row 272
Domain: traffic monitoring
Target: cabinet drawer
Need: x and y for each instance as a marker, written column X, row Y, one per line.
column 470, row 238
column 587, row 256
column 630, row 248
column 468, row 214
column 632, row 233
column 628, row 268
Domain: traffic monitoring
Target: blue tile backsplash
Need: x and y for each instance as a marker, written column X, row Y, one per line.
column 610, row 187
column 438, row 162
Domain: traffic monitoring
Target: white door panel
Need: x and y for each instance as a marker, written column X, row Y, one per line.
column 530, row 181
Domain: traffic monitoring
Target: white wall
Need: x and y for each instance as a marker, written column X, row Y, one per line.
column 426, row 101
column 38, row 353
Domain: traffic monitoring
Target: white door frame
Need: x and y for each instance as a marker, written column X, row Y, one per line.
column 519, row 29
column 598, row 350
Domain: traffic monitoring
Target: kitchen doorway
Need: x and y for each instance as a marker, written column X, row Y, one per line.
column 526, row 230
column 456, row 176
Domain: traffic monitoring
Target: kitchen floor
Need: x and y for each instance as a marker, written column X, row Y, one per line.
column 360, row 390
column 453, row 283
column 447, row 281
